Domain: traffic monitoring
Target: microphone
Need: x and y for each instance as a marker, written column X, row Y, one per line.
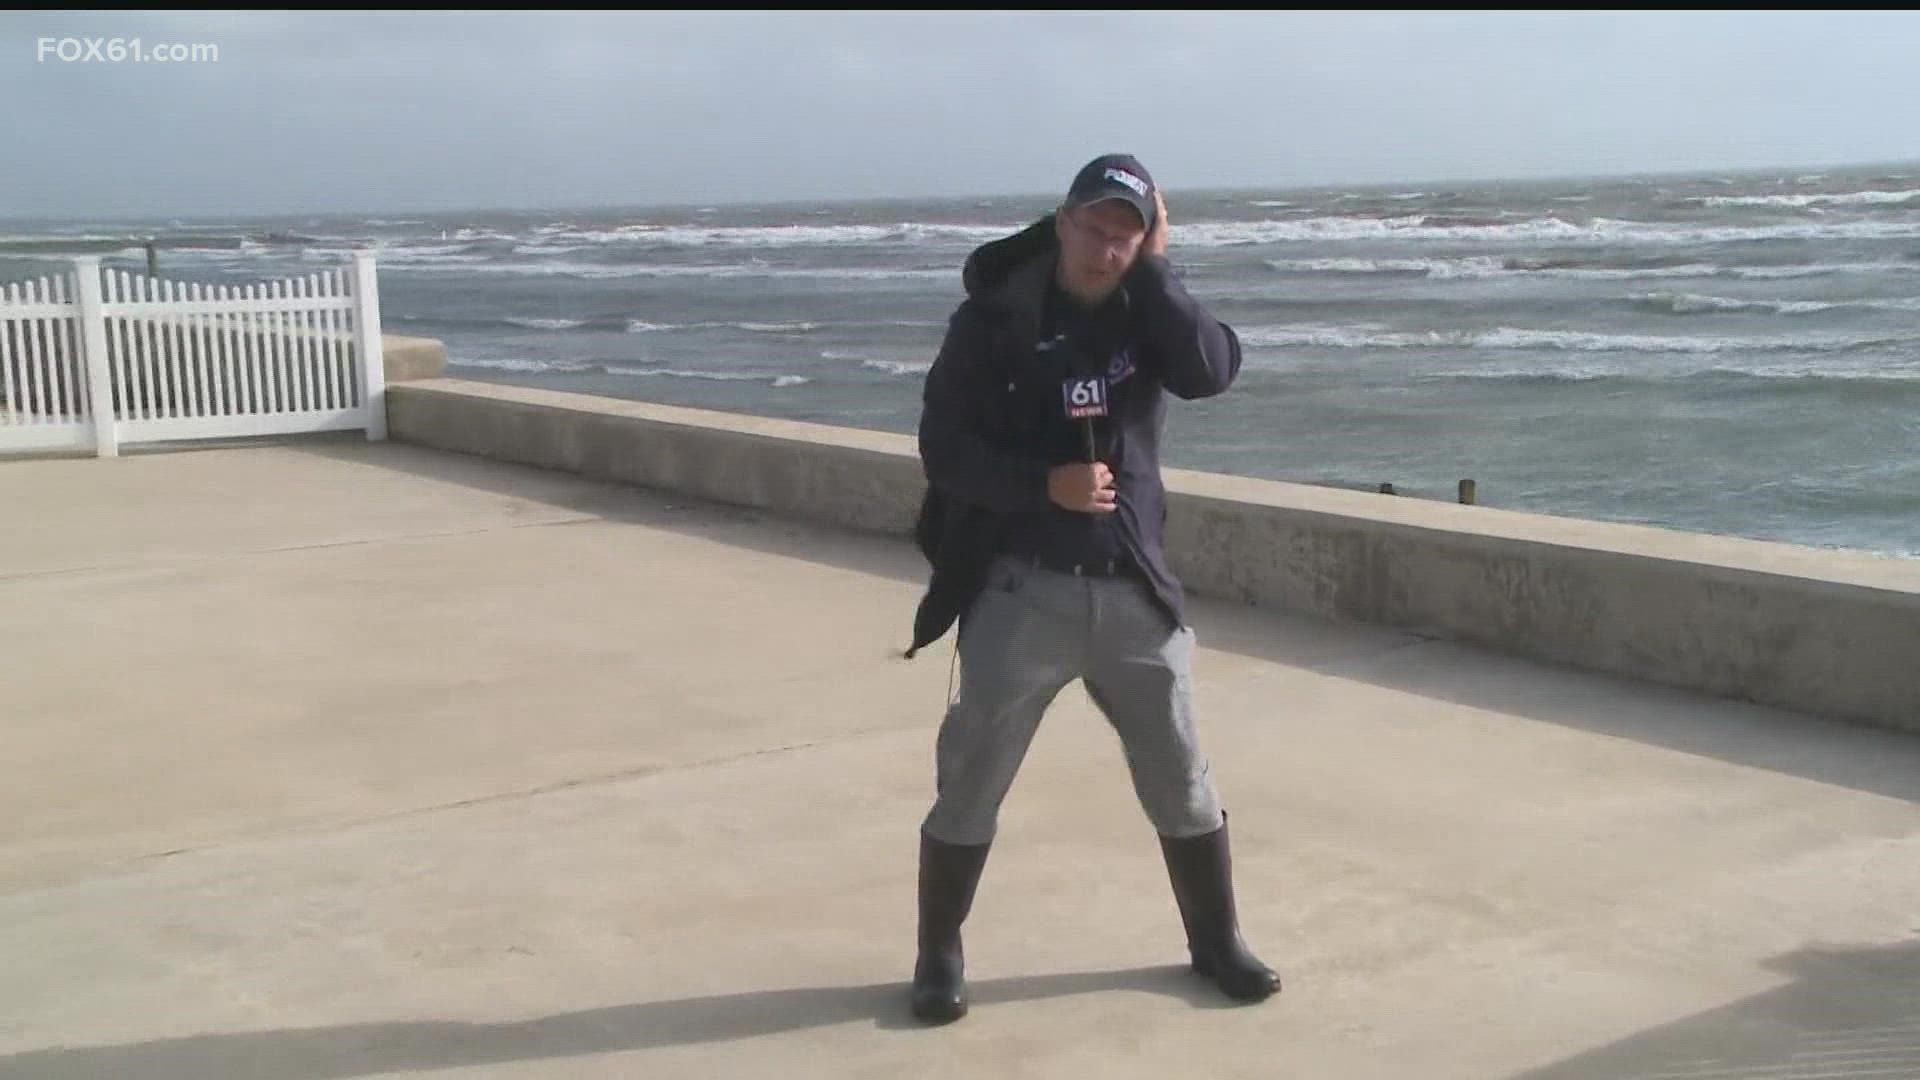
column 1085, row 397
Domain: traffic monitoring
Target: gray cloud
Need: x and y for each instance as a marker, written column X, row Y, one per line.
column 380, row 113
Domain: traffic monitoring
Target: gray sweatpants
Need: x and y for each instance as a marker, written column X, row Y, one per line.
column 1029, row 634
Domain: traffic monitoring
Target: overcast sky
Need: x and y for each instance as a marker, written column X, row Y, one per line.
column 381, row 113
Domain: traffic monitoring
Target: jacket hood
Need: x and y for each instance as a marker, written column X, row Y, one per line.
column 992, row 264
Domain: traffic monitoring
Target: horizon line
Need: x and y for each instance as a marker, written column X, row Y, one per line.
column 698, row 204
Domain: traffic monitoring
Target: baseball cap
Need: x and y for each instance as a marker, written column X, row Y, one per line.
column 1114, row 176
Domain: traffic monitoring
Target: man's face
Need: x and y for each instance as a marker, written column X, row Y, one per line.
column 1098, row 243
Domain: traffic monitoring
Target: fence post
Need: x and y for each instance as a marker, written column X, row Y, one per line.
column 93, row 351
column 366, row 331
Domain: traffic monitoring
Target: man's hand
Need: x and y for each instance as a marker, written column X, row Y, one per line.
column 1087, row 489
column 1156, row 242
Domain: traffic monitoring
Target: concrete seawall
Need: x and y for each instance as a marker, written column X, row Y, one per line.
column 1820, row 632
column 408, row 358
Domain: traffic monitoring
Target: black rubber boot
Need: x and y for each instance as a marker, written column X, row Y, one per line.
column 1201, row 869
column 948, row 875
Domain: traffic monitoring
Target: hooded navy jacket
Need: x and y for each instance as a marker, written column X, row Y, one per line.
column 992, row 394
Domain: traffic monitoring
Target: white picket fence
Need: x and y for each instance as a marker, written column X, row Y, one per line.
column 92, row 360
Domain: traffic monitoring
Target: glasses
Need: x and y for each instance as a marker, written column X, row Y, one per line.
column 1122, row 242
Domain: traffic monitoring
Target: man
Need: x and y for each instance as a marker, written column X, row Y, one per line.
column 1043, row 519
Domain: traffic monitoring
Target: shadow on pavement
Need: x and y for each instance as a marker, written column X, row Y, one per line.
column 352, row 1050
column 1848, row 1013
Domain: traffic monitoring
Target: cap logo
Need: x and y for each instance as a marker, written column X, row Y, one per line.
column 1138, row 185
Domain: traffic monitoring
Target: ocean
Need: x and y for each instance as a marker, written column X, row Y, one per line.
column 1733, row 354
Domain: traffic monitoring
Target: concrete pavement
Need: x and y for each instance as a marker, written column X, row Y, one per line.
column 329, row 759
